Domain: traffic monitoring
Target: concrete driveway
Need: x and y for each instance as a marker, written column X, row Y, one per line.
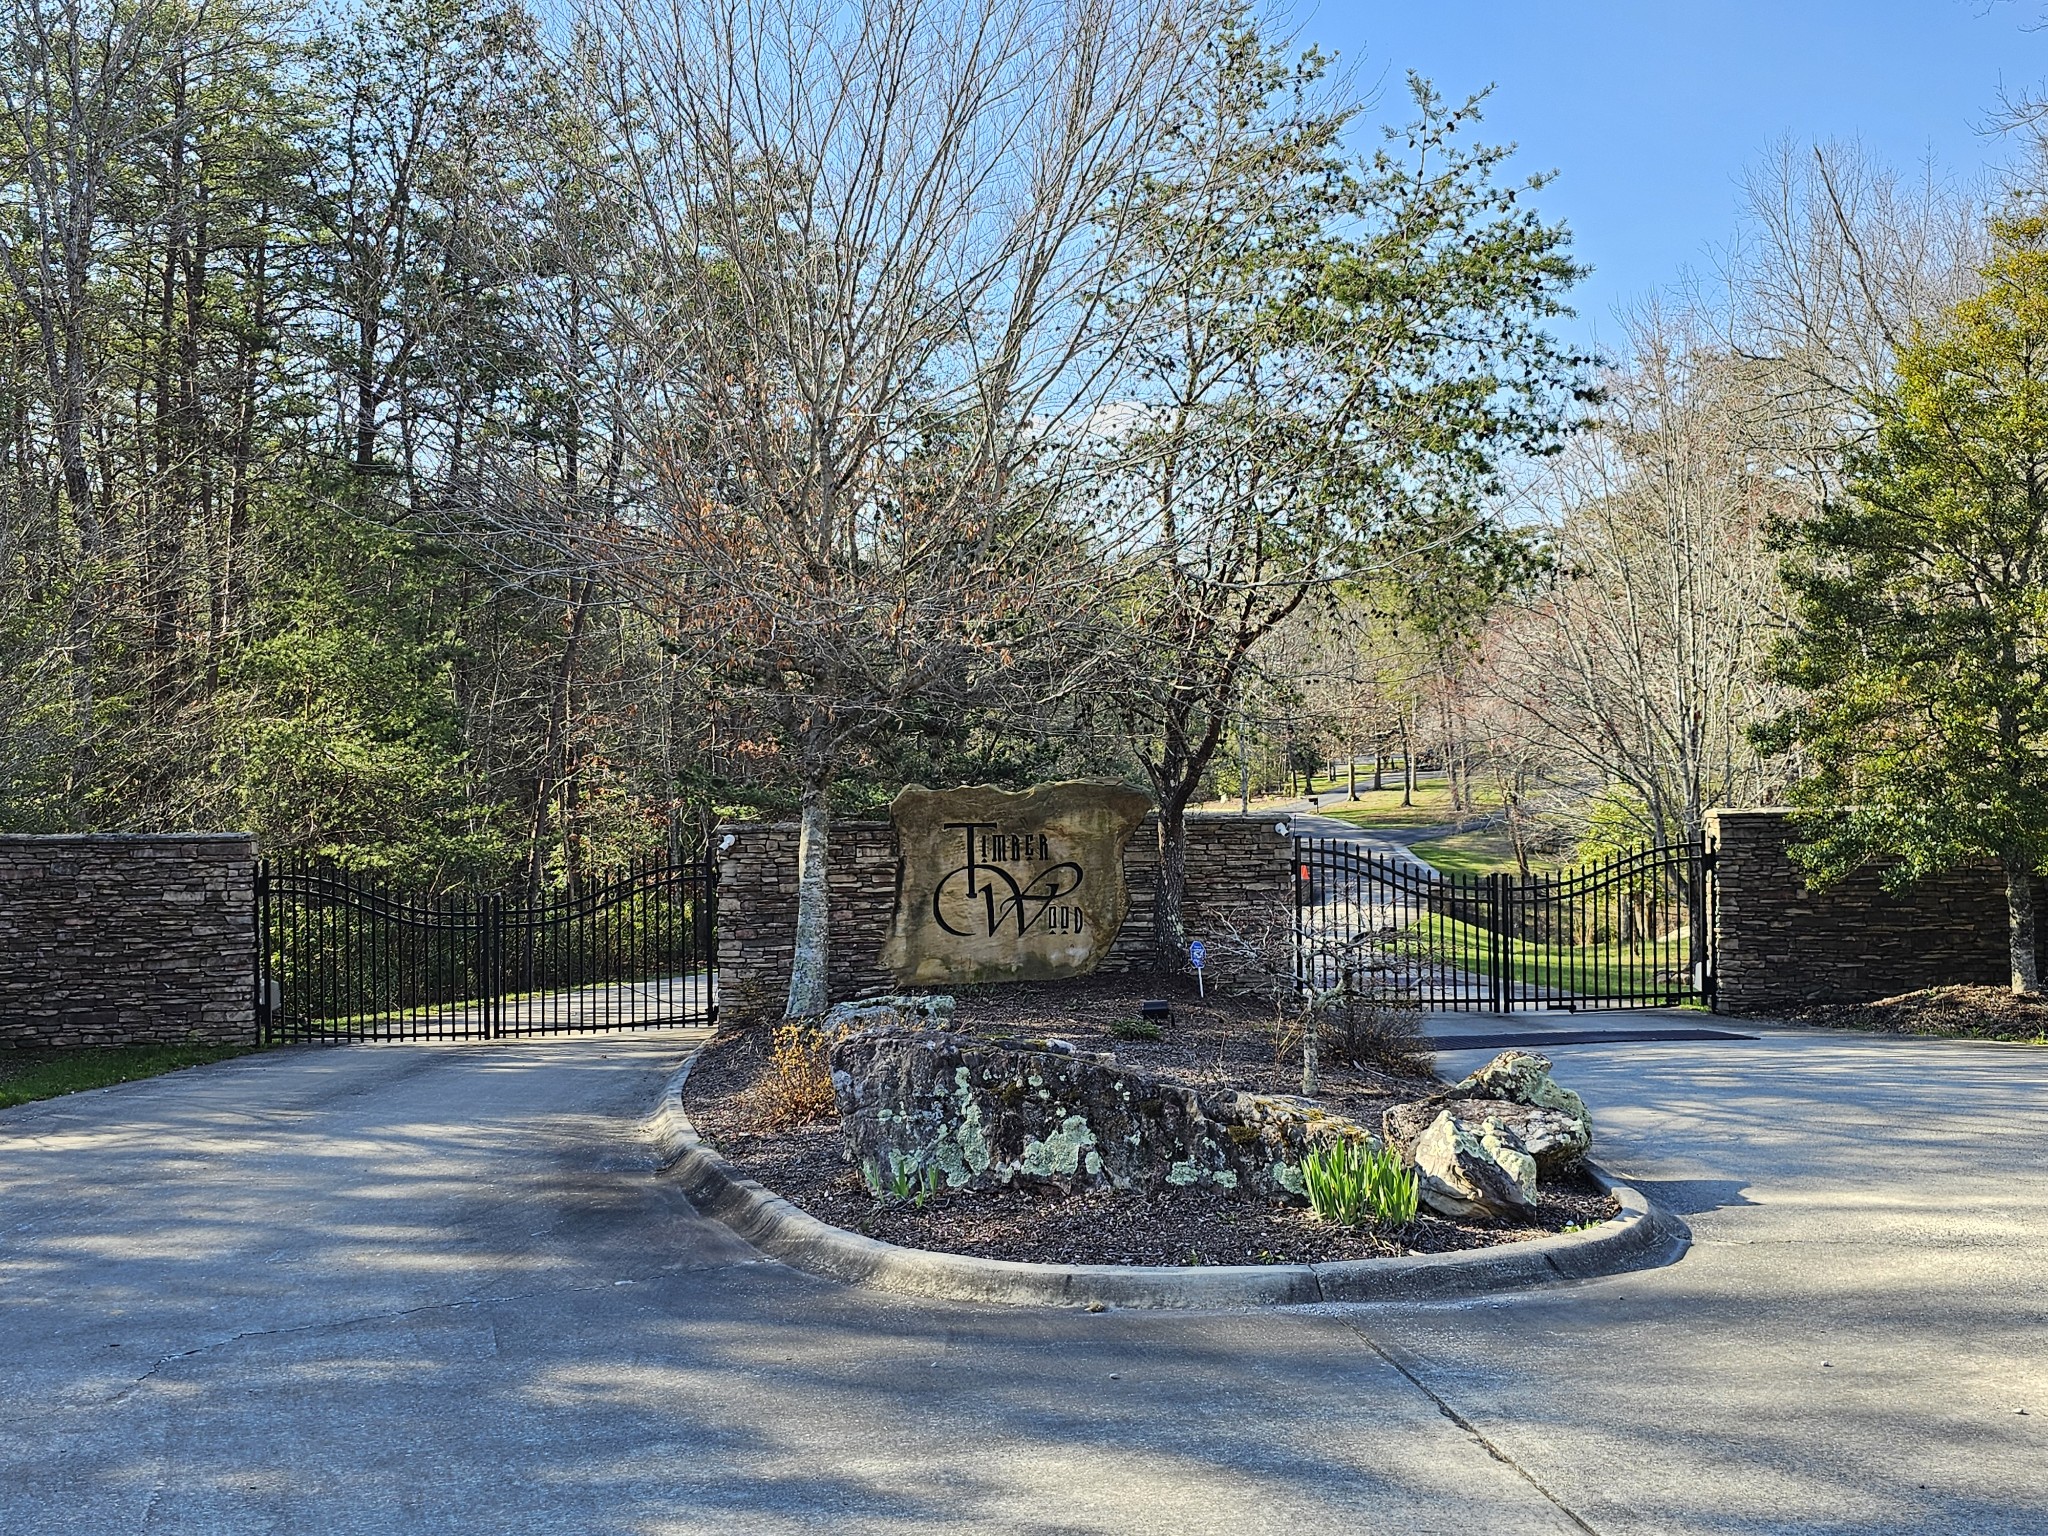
column 440, row 1288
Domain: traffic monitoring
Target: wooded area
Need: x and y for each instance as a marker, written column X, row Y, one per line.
column 484, row 456
column 488, row 451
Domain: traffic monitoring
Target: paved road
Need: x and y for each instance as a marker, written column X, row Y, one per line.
column 440, row 1288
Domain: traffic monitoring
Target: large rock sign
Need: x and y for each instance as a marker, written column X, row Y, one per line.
column 1009, row 887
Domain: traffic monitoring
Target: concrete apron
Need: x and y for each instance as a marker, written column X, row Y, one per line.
column 429, row 1289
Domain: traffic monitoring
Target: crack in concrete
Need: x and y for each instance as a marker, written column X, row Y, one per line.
column 351, row 1322
column 1478, row 1436
column 667, row 1271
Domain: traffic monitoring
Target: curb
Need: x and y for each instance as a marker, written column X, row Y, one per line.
column 1642, row 1236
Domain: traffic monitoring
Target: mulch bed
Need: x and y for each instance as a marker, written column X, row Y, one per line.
column 1211, row 1044
column 1962, row 1013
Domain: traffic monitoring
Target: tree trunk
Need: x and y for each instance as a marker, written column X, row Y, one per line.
column 1407, row 768
column 2021, row 916
column 809, row 985
column 554, row 752
column 1379, row 771
column 1352, row 767
column 1169, row 899
column 1244, row 767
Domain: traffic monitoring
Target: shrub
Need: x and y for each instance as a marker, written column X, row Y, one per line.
column 1334, row 1001
column 1370, row 1024
column 1134, row 1029
column 798, row 1088
column 1353, row 1181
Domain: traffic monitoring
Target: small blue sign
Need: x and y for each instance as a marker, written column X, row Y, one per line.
column 1197, row 953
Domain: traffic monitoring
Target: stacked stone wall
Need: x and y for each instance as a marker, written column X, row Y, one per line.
column 127, row 940
column 1778, row 945
column 1237, row 872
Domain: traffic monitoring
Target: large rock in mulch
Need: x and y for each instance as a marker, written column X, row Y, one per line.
column 1554, row 1139
column 987, row 1114
column 1521, row 1077
column 1516, row 1089
column 1462, row 1174
column 1479, row 1146
column 891, row 1011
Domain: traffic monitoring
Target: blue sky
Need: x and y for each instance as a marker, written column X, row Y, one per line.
column 1649, row 111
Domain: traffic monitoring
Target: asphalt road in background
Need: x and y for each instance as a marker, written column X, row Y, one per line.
column 441, row 1288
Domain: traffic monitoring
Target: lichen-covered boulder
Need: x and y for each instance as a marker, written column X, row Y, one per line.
column 1503, row 1148
column 1458, row 1174
column 1522, row 1077
column 1553, row 1138
column 889, row 1012
column 984, row 1114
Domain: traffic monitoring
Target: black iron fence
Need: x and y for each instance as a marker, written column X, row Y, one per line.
column 344, row 956
column 1627, row 932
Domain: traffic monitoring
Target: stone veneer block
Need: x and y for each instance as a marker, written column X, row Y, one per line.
column 127, row 939
column 1778, row 945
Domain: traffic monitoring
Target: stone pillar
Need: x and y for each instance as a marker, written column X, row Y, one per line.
column 118, row 939
column 1778, row 945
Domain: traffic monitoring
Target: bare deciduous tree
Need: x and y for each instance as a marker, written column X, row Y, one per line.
column 1641, row 661
column 1836, row 260
column 858, row 272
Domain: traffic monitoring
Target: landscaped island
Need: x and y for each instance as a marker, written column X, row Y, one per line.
column 763, row 1100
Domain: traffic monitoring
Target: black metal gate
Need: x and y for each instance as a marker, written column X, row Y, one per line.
column 1626, row 932
column 343, row 956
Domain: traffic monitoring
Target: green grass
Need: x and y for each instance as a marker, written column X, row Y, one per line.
column 1489, row 852
column 44, row 1074
column 1350, row 1182
column 1383, row 808
column 1372, row 808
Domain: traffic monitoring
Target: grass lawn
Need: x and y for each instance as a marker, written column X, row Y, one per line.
column 1383, row 808
column 1486, row 852
column 1372, row 808
column 44, row 1074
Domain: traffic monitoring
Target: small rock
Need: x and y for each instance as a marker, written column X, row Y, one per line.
column 1459, row 1176
column 889, row 1011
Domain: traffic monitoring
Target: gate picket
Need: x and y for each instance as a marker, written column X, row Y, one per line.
column 340, row 957
column 1632, row 931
